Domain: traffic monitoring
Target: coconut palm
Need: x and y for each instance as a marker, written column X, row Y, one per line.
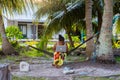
column 64, row 18
column 105, row 52
column 8, row 7
column 88, row 17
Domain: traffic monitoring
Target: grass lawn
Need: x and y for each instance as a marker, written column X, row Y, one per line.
column 73, row 78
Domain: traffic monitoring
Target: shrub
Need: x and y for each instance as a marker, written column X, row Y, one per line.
column 13, row 32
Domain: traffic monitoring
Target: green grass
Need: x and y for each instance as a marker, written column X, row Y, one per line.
column 93, row 78
column 8, row 59
column 75, row 58
column 73, row 78
column 26, row 78
column 32, row 53
column 117, row 59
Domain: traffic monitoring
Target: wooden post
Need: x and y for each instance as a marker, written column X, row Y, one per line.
column 4, row 72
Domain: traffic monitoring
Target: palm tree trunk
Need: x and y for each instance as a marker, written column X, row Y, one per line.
column 6, row 46
column 89, row 44
column 70, row 39
column 105, row 52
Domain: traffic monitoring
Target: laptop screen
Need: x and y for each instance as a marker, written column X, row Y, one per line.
column 61, row 48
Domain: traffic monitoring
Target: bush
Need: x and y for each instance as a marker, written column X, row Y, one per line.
column 13, row 32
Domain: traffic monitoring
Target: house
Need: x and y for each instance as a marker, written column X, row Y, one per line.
column 25, row 24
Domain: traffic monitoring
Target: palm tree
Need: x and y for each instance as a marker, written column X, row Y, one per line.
column 88, row 17
column 63, row 18
column 9, row 7
column 98, row 10
column 105, row 52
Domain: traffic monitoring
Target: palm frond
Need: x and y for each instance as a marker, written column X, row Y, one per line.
column 14, row 6
column 64, row 20
column 49, row 7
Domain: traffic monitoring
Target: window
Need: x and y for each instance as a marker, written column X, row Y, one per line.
column 40, row 30
column 23, row 28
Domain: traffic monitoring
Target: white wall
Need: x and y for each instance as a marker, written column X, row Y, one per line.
column 62, row 32
column 29, row 31
column 5, row 22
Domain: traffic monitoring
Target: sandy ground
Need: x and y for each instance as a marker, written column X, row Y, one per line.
column 43, row 68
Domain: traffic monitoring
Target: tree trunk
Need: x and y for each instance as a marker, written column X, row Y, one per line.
column 70, row 39
column 6, row 46
column 89, row 44
column 105, row 52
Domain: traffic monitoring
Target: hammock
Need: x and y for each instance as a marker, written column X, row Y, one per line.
column 51, row 54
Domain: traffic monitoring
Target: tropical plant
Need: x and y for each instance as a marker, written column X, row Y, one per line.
column 13, row 32
column 117, row 24
column 116, row 28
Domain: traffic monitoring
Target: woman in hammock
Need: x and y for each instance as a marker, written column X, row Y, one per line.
column 59, row 55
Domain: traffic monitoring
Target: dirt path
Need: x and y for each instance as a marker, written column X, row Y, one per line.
column 43, row 68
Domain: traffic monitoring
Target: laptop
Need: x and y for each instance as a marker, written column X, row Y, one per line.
column 61, row 48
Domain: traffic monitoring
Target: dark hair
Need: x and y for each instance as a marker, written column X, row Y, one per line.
column 61, row 38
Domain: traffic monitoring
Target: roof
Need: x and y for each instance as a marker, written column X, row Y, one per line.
column 27, row 17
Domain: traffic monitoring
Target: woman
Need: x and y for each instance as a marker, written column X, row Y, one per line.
column 59, row 55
